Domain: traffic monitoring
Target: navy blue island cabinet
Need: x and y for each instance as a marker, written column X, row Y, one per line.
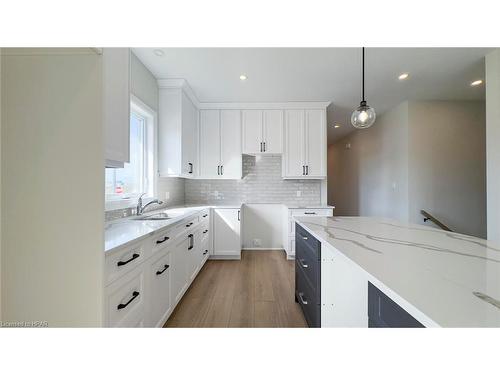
column 383, row 312
column 308, row 275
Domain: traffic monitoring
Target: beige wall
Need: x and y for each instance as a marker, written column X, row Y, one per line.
column 493, row 143
column 447, row 154
column 419, row 155
column 371, row 177
column 52, row 188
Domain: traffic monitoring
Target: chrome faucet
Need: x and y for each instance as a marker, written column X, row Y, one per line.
column 140, row 208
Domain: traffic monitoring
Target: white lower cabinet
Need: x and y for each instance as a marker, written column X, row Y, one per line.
column 126, row 300
column 226, row 233
column 146, row 279
column 159, row 276
column 179, row 269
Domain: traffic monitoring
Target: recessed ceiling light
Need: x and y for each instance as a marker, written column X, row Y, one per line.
column 403, row 76
column 243, row 77
column 477, row 82
column 159, row 52
column 336, row 126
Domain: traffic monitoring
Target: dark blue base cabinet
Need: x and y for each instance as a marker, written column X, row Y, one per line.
column 308, row 275
column 383, row 312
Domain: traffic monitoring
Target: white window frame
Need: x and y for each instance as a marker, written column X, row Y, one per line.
column 151, row 143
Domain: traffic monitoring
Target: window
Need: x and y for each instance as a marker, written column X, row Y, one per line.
column 137, row 176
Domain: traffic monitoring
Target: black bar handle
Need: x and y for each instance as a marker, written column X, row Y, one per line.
column 205, row 215
column 238, row 215
column 264, row 146
column 222, row 170
column 190, row 167
column 122, row 263
column 309, row 213
column 163, row 270
column 191, row 241
column 205, row 252
column 205, row 231
column 218, row 170
column 303, row 170
column 260, row 146
column 164, row 239
column 123, row 305
column 307, row 170
column 188, row 225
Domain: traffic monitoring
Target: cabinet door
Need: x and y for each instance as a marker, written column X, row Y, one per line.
column 273, row 131
column 315, row 142
column 209, row 143
column 178, row 277
column 230, row 130
column 159, row 275
column 194, row 255
column 227, row 232
column 252, row 131
column 189, row 137
column 294, row 143
column 116, row 105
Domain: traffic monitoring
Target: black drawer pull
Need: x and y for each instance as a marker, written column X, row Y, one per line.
column 190, row 247
column 205, row 231
column 191, row 241
column 123, row 305
column 122, row 263
column 163, row 270
column 205, row 215
column 190, row 167
column 309, row 213
column 188, row 225
column 301, row 296
column 302, row 264
column 164, row 239
column 205, row 252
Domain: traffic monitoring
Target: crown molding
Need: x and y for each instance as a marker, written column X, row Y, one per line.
column 179, row 83
column 265, row 105
column 182, row 84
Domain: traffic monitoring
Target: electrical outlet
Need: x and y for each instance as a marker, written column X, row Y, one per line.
column 257, row 242
column 167, row 195
column 299, row 193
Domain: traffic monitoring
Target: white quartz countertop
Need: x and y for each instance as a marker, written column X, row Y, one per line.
column 441, row 278
column 122, row 231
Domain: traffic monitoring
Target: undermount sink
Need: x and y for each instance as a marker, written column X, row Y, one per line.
column 159, row 216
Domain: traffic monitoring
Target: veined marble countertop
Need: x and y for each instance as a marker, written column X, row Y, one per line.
column 441, row 278
column 125, row 230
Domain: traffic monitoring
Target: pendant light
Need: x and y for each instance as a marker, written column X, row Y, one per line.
column 364, row 116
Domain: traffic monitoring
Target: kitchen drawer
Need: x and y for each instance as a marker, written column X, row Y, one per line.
column 186, row 226
column 205, row 231
column 159, row 275
column 125, row 300
column 383, row 312
column 122, row 261
column 308, row 298
column 312, row 212
column 162, row 240
column 205, row 249
column 204, row 216
column 311, row 267
column 302, row 237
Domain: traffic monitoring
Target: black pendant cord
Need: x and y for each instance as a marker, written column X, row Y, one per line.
column 363, row 74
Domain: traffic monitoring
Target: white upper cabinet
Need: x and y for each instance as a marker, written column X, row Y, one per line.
column 305, row 144
column 116, row 105
column 230, row 132
column 210, row 143
column 262, row 131
column 220, row 144
column 177, row 134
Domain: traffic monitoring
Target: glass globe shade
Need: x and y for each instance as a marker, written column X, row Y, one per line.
column 363, row 117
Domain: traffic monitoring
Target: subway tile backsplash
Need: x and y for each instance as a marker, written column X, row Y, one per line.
column 261, row 183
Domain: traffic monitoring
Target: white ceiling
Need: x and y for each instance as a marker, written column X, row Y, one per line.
column 323, row 74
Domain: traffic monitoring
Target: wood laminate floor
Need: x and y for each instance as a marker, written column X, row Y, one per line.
column 256, row 291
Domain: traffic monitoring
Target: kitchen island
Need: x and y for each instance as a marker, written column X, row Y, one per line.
column 438, row 278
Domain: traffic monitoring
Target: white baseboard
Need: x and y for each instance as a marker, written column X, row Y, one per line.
column 262, row 248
